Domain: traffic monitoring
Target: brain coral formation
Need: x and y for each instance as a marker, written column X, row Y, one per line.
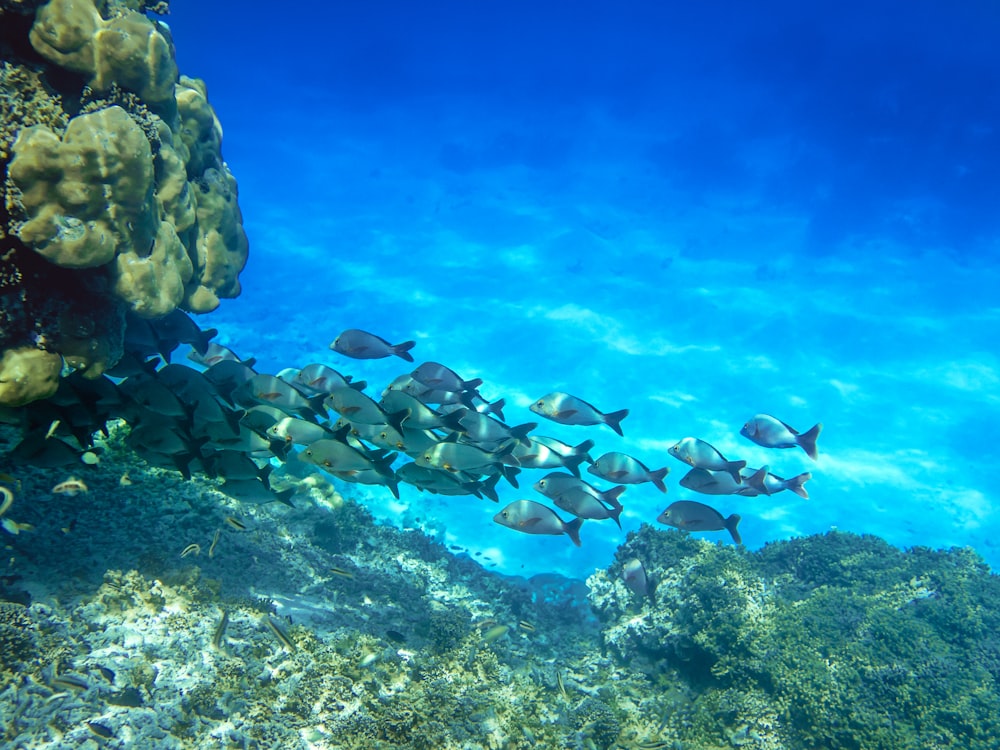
column 116, row 196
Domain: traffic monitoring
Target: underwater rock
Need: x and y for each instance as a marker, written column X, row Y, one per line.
column 116, row 196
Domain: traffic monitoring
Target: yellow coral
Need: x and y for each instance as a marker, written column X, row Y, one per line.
column 88, row 195
column 154, row 285
column 28, row 374
column 127, row 49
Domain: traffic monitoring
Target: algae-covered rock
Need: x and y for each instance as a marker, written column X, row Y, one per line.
column 28, row 374
column 834, row 641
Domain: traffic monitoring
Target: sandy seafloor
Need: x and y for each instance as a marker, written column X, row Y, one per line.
column 696, row 215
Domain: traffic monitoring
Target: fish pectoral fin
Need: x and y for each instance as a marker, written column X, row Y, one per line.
column 528, row 523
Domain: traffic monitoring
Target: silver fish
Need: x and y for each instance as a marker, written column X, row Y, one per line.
column 356, row 407
column 581, row 503
column 337, row 457
column 691, row 516
column 555, row 484
column 540, row 454
column 769, row 432
column 363, row 345
column 623, row 469
column 718, row 483
column 767, row 484
column 420, row 415
column 442, row 482
column 437, row 377
column 566, row 409
column 322, row 379
column 298, row 431
column 483, row 429
column 534, row 518
column 702, row 455
column 254, row 492
column 453, row 457
column 634, row 575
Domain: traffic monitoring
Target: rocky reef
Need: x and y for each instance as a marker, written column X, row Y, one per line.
column 150, row 610
column 116, row 196
column 833, row 641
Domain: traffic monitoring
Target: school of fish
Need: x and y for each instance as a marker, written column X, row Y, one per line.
column 429, row 428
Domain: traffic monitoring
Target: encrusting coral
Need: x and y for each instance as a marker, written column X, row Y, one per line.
column 113, row 177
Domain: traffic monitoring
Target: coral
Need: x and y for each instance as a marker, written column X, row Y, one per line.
column 88, row 195
column 595, row 720
column 28, row 374
column 127, row 49
column 17, row 638
column 113, row 176
column 834, row 641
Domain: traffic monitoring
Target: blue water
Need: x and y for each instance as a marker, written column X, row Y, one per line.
column 695, row 211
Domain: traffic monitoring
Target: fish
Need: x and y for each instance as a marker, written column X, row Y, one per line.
column 106, row 673
column 360, row 344
column 419, row 416
column 436, row 376
column 495, row 633
column 556, row 483
column 177, row 328
column 101, row 730
column 767, row 483
column 69, row 681
column 295, row 430
column 231, row 464
column 273, row 391
column 323, row 379
column 341, row 572
column 355, row 406
column 702, row 455
column 380, row 475
column 220, row 631
column 236, row 523
column 534, row 518
column 191, row 549
column 395, row 636
column 71, row 487
column 486, row 431
column 634, row 576
column 280, row 633
column 213, row 354
column 215, row 541
column 441, row 482
column 52, row 428
column 254, row 492
column 566, row 409
column 691, row 516
column 526, row 626
column 710, row 482
column 581, row 503
column 15, row 527
column 8, row 499
column 335, row 456
column 769, row 432
column 454, row 457
column 623, row 469
column 35, row 450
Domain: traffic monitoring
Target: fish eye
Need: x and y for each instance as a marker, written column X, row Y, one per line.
column 504, row 514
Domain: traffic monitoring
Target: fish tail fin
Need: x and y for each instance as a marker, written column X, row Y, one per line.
column 757, row 480
column 403, row 350
column 573, row 530
column 393, row 484
column 614, row 419
column 510, row 474
column 200, row 344
column 285, row 496
column 731, row 525
column 264, row 475
column 489, row 487
column 317, row 405
column 795, row 484
column 583, row 450
column 734, row 467
column 383, row 464
column 397, row 418
column 656, row 477
column 611, row 496
column 573, row 464
column 496, row 407
column 616, row 513
column 521, row 432
column 808, row 440
column 470, row 385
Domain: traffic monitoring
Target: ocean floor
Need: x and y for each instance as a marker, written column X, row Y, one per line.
column 343, row 633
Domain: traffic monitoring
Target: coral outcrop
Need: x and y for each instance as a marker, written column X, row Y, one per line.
column 834, row 641
column 116, row 196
